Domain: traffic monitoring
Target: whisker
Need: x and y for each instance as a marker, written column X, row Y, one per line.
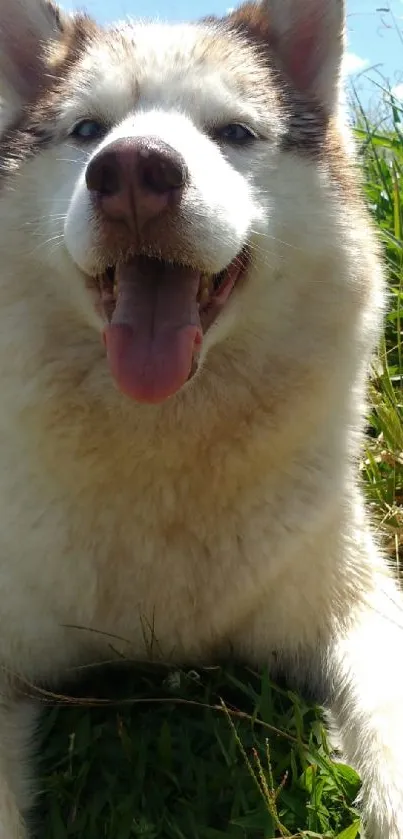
column 58, row 239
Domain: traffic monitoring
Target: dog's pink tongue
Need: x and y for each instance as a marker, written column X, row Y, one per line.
column 155, row 329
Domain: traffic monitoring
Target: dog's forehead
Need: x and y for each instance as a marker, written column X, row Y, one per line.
column 171, row 65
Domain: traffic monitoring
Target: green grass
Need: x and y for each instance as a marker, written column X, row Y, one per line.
column 214, row 753
column 224, row 752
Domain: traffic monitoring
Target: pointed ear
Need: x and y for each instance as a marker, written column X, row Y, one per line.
column 307, row 37
column 27, row 29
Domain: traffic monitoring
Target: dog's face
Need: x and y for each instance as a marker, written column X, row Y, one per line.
column 160, row 163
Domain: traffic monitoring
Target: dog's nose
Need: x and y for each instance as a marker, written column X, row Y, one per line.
column 135, row 180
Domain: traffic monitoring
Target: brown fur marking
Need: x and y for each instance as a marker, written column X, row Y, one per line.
column 30, row 130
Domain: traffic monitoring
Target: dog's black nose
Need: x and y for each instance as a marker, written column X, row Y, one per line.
column 136, row 179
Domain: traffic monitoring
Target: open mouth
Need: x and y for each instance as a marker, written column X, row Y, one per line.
column 156, row 314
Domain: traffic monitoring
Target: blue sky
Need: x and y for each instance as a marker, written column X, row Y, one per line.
column 375, row 37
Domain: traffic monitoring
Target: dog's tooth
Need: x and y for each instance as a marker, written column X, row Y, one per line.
column 208, row 282
column 202, row 289
column 204, row 296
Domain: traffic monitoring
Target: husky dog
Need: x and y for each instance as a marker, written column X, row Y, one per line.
column 190, row 292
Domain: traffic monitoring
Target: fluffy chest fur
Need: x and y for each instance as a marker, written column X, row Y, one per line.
column 164, row 547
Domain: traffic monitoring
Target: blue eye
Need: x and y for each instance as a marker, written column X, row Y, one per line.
column 235, row 133
column 88, row 130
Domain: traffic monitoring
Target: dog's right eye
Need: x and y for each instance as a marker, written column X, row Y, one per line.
column 88, row 130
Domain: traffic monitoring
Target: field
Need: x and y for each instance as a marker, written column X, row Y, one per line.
column 226, row 753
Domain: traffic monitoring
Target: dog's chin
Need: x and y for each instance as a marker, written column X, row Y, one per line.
column 156, row 313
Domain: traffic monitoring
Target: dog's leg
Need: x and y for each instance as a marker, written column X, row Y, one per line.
column 17, row 727
column 365, row 670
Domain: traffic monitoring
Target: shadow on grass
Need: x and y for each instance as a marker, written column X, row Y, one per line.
column 207, row 754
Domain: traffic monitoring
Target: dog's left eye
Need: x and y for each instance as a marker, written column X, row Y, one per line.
column 235, row 133
column 88, row 130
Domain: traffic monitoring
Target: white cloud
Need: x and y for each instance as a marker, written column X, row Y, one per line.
column 353, row 63
column 397, row 91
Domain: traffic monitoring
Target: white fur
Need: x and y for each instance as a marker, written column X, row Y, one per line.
column 230, row 515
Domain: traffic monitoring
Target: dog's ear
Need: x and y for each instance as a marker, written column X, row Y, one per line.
column 28, row 29
column 307, row 37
